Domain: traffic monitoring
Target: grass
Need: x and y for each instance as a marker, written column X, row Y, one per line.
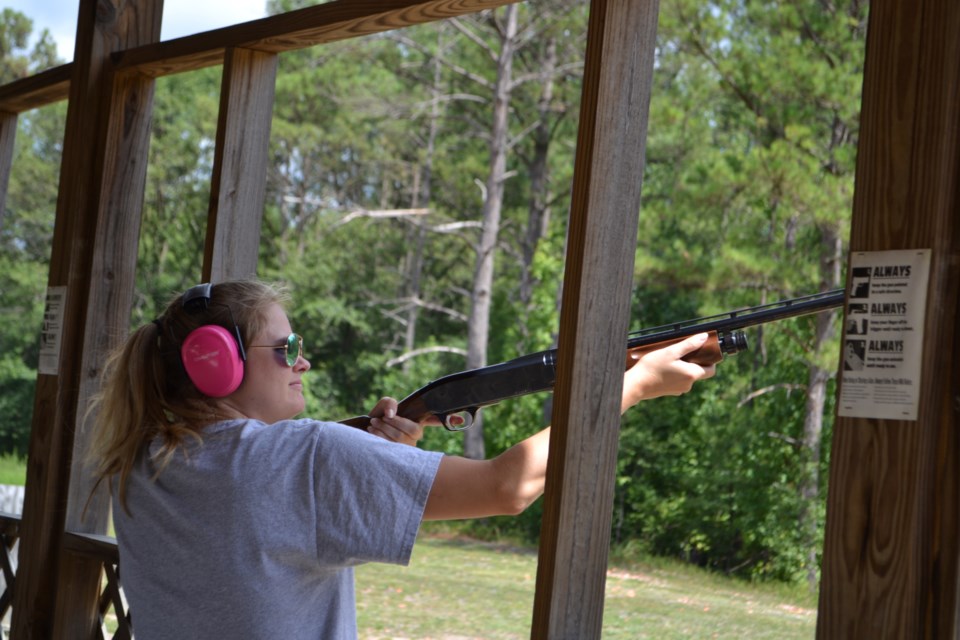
column 456, row 589
column 13, row 470
column 463, row 590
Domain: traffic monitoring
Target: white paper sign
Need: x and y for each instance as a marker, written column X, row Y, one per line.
column 52, row 331
column 883, row 336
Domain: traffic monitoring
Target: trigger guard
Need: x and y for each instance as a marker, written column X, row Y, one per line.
column 468, row 416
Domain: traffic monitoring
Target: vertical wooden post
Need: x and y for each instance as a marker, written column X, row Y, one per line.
column 596, row 299
column 123, row 172
column 102, row 27
column 890, row 561
column 8, row 136
column 240, row 164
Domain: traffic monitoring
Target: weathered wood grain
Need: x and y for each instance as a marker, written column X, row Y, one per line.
column 299, row 29
column 239, row 180
column 38, row 90
column 596, row 294
column 890, row 563
column 75, row 235
column 8, row 138
column 123, row 161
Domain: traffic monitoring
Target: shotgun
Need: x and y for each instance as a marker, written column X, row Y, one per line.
column 456, row 399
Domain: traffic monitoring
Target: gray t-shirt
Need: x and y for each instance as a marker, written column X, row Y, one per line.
column 254, row 533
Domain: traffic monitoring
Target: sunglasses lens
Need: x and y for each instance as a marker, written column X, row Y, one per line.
column 294, row 345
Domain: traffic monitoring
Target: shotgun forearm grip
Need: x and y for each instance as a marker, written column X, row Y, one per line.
column 712, row 351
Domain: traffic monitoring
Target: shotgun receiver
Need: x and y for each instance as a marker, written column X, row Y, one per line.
column 455, row 399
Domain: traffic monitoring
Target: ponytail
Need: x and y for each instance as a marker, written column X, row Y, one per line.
column 145, row 394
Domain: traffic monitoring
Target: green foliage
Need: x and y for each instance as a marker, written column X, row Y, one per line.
column 712, row 477
column 747, row 194
column 16, row 61
column 177, row 189
column 17, row 382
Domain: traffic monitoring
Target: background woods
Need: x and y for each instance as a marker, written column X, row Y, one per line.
column 416, row 207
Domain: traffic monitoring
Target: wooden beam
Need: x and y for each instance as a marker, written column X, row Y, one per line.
column 240, row 163
column 57, row 393
column 39, row 90
column 328, row 22
column 890, row 560
column 578, row 506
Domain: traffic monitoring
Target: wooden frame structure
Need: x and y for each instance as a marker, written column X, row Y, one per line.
column 885, row 574
column 891, row 558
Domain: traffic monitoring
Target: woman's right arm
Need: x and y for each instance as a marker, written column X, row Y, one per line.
column 509, row 483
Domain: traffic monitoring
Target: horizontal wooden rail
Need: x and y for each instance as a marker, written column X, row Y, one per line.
column 9, row 534
column 103, row 548
column 111, row 604
column 329, row 22
column 9, row 523
column 338, row 20
column 36, row 91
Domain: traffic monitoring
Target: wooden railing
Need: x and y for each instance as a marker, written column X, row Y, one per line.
column 9, row 534
column 114, row 615
column 112, row 603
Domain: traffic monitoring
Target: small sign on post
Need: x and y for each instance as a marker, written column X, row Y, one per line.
column 883, row 334
column 52, row 332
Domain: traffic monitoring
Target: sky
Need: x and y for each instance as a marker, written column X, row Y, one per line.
column 180, row 17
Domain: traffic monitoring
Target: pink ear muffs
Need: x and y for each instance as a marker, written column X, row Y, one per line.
column 212, row 360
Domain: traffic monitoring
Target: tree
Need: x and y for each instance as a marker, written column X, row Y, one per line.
column 177, row 189
column 16, row 61
column 503, row 38
column 751, row 177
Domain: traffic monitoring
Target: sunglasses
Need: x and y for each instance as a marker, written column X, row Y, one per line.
column 292, row 348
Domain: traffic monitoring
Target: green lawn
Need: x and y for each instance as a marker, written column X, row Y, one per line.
column 12, row 470
column 461, row 590
column 468, row 591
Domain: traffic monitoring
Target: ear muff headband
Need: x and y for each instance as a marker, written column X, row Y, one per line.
column 211, row 356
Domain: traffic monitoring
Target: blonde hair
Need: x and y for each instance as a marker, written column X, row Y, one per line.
column 145, row 392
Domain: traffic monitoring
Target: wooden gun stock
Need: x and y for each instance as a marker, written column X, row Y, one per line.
column 718, row 345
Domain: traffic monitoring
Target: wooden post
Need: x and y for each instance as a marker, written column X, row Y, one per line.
column 890, row 560
column 123, row 176
column 102, row 28
column 8, row 136
column 240, row 165
column 596, row 299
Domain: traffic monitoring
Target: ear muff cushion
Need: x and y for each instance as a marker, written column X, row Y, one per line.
column 212, row 361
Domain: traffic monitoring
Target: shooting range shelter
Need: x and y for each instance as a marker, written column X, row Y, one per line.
column 890, row 560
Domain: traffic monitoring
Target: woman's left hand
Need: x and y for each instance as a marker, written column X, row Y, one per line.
column 664, row 372
column 386, row 424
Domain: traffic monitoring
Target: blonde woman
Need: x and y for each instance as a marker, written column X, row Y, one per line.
column 236, row 520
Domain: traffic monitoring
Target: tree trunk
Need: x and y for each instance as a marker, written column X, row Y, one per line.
column 538, row 216
column 818, row 378
column 416, row 236
column 481, row 296
column 810, row 480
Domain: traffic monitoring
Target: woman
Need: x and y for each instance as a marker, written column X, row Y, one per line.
column 235, row 520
